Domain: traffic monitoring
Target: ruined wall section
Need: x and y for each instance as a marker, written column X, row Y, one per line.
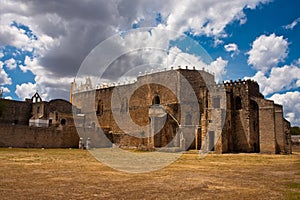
column 267, row 136
column 242, row 116
column 200, row 81
column 15, row 112
column 38, row 137
column 282, row 131
column 134, row 100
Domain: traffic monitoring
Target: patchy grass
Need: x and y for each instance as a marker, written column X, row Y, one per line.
column 75, row 174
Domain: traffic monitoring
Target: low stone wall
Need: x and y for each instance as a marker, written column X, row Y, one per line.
column 38, row 137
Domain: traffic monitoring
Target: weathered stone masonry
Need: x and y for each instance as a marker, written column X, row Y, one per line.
column 252, row 123
column 35, row 123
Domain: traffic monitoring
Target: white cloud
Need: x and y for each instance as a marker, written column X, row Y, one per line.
column 24, row 68
column 179, row 58
column 232, row 47
column 4, row 89
column 4, row 79
column 67, row 32
column 267, row 52
column 10, row 64
column 280, row 78
column 25, row 90
column 207, row 17
column 11, row 35
column 291, row 105
column 157, row 54
column 8, row 97
column 1, row 54
column 293, row 24
column 46, row 82
column 218, row 67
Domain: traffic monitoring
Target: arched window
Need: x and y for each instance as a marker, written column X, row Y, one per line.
column 36, row 98
column 63, row 122
column 156, row 100
column 238, row 103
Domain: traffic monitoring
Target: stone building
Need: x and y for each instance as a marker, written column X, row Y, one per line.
column 37, row 123
column 185, row 109
column 56, row 112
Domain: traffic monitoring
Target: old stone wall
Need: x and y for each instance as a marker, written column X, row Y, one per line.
column 241, row 124
column 279, row 129
column 252, row 123
column 267, row 135
column 288, row 139
column 38, row 137
column 15, row 112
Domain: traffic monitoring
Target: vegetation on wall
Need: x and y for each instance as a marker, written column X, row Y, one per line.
column 295, row 130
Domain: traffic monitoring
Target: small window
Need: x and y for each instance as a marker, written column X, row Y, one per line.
column 63, row 122
column 38, row 110
column 156, row 100
column 238, row 103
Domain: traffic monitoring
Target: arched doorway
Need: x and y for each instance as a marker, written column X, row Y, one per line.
column 63, row 122
column 156, row 100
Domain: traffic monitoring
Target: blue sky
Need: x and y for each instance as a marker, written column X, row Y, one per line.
column 43, row 45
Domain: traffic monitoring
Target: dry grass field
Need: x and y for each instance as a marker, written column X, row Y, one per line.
column 75, row 174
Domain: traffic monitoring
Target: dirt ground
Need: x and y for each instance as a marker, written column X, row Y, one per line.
column 75, row 174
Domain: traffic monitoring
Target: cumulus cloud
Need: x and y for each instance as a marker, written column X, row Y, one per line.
column 232, row 47
column 218, row 67
column 267, row 52
column 10, row 64
column 179, row 58
column 276, row 82
column 207, row 17
column 4, row 79
column 292, row 25
column 291, row 105
column 66, row 33
column 47, row 82
column 280, row 78
column 25, row 90
column 4, row 89
column 142, row 60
